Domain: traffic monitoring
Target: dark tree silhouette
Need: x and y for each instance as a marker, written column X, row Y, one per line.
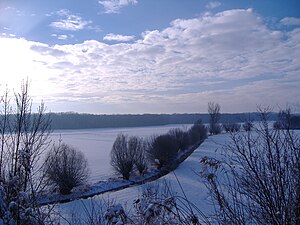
column 214, row 117
column 137, row 147
column 66, row 168
column 197, row 133
column 181, row 136
column 123, row 156
column 163, row 150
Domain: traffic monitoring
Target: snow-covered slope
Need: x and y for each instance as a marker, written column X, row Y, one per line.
column 187, row 174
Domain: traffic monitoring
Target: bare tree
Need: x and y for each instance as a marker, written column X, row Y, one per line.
column 214, row 117
column 66, row 168
column 181, row 136
column 231, row 127
column 258, row 181
column 163, row 149
column 24, row 136
column 197, row 133
column 136, row 146
column 284, row 119
column 122, row 157
column 248, row 126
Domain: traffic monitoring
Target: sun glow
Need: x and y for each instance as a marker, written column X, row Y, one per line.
column 19, row 62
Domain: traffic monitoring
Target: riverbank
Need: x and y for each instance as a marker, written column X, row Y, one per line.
column 113, row 184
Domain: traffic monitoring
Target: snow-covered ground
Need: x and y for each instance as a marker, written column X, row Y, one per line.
column 96, row 144
column 187, row 173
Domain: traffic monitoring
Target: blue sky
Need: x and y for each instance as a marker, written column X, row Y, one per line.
column 152, row 56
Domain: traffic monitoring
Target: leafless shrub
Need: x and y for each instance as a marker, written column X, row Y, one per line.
column 137, row 146
column 181, row 136
column 158, row 204
column 258, row 182
column 123, row 157
column 231, row 127
column 197, row 133
column 66, row 168
column 226, row 127
column 163, row 150
column 116, row 215
column 92, row 212
column 283, row 120
column 295, row 122
column 248, row 126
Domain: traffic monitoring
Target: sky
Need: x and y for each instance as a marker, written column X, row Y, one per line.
column 152, row 56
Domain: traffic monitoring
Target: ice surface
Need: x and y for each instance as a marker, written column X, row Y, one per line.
column 96, row 145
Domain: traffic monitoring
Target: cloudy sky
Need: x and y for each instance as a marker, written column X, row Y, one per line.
column 152, row 56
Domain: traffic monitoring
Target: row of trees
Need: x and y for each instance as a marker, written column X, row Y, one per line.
column 134, row 153
column 215, row 127
column 285, row 120
column 65, row 167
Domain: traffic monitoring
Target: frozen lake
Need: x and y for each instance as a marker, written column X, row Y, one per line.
column 96, row 144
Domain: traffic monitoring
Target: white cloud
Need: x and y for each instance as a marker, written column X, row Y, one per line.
column 69, row 21
column 230, row 57
column 290, row 21
column 118, row 37
column 114, row 6
column 212, row 5
column 62, row 36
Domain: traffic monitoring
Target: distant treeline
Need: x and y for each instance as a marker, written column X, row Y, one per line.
column 72, row 120
column 86, row 121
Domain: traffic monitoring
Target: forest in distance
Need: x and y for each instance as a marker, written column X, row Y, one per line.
column 72, row 120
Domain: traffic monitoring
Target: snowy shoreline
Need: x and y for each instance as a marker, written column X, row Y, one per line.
column 113, row 184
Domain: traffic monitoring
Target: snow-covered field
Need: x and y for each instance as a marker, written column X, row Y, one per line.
column 96, row 144
column 187, row 173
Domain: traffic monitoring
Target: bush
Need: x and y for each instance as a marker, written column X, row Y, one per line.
column 19, row 207
column 231, row 127
column 66, row 168
column 295, row 122
column 181, row 136
column 248, row 126
column 215, row 129
column 159, row 204
column 257, row 181
column 123, row 156
column 278, row 125
column 226, row 127
column 197, row 133
column 137, row 146
column 163, row 149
